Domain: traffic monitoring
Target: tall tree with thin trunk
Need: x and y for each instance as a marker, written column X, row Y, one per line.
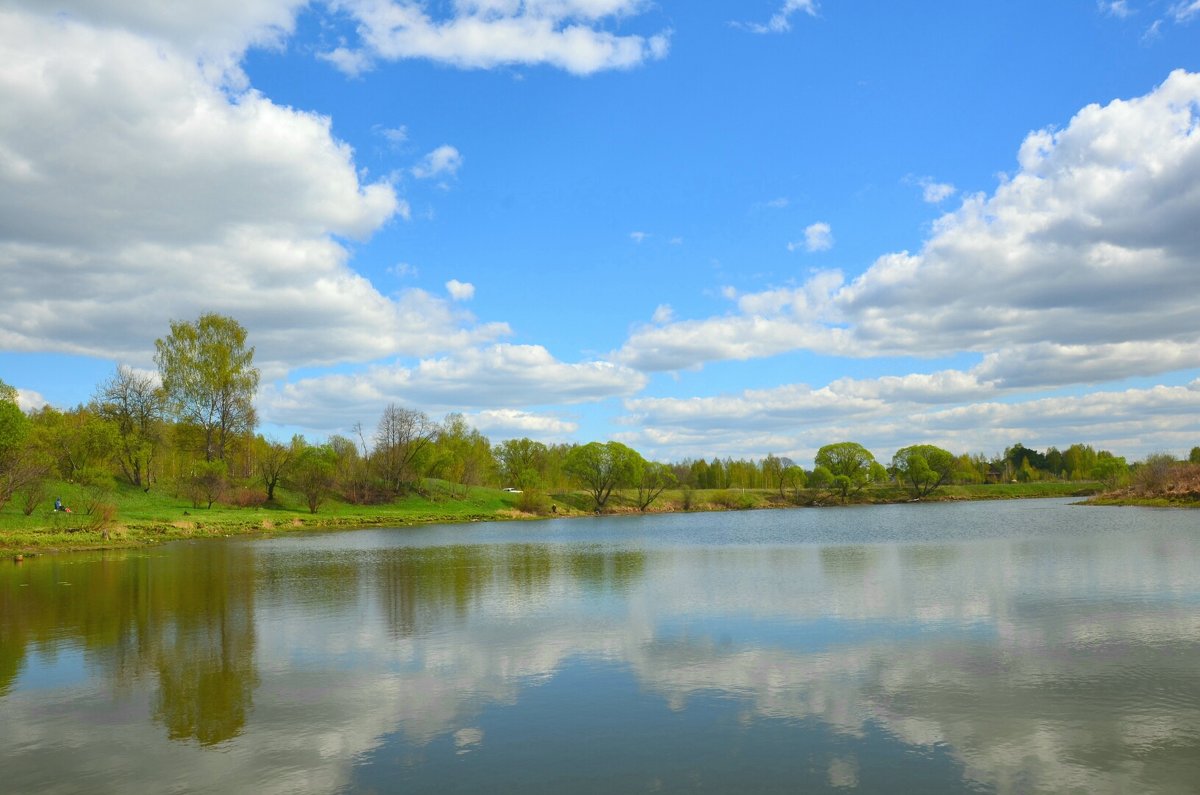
column 209, row 378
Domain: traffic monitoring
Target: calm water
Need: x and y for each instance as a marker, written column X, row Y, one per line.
column 1010, row 647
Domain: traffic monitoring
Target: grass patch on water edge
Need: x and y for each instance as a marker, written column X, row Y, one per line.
column 142, row 518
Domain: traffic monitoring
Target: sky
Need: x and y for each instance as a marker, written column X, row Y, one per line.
column 698, row 228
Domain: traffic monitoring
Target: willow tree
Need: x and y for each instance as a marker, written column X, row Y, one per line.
column 923, row 468
column 209, row 379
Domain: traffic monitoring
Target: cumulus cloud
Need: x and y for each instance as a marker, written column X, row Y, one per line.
column 888, row 413
column 502, row 376
column 29, row 400
column 567, row 34
column 443, row 161
column 933, row 192
column 817, row 237
column 460, row 291
column 515, row 423
column 136, row 187
column 781, row 20
column 1088, row 253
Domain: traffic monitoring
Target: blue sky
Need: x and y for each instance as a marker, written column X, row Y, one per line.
column 700, row 228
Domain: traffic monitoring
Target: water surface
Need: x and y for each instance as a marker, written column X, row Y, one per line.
column 1009, row 647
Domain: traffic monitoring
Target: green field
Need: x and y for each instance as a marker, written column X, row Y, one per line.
column 159, row 515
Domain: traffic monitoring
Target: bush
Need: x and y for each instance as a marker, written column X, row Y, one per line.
column 1154, row 473
column 533, row 501
column 245, row 497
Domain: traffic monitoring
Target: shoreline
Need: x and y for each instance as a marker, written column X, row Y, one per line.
column 275, row 521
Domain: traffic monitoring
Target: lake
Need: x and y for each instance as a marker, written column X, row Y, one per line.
column 1022, row 646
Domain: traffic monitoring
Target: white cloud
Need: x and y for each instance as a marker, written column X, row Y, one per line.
column 663, row 313
column 1116, row 8
column 1185, row 11
column 460, row 291
column 818, row 237
column 499, row 376
column 780, row 21
column 1081, row 268
column 443, row 161
column 888, row 413
column 29, row 400
column 215, row 32
column 933, row 192
column 566, row 34
column 396, row 136
column 135, row 187
column 638, row 237
column 513, row 423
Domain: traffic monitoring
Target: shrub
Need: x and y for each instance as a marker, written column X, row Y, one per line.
column 245, row 497
column 533, row 501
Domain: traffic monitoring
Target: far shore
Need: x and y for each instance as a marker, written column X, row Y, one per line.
column 148, row 519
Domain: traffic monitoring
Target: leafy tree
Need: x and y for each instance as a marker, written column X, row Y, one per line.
column 792, row 478
column 600, row 468
column 462, row 455
column 850, row 459
column 134, row 405
column 18, row 467
column 313, row 474
column 651, row 479
column 76, row 439
column 1194, row 456
column 820, row 478
column 923, row 468
column 273, row 459
column 1111, row 471
column 209, row 379
column 521, row 462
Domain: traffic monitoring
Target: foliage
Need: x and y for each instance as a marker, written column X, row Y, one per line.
column 923, row 468
column 274, row 458
column 134, row 406
column 600, row 468
column 209, row 379
column 313, row 475
column 1111, row 471
column 852, row 461
column 206, row 482
column 651, row 479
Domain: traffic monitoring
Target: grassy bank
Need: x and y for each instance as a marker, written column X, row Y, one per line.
column 143, row 518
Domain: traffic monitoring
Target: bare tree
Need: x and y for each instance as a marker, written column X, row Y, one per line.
column 401, row 438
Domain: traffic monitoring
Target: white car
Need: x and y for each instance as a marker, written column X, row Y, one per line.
column 511, row 490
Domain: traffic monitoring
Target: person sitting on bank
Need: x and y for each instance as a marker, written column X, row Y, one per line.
column 58, row 506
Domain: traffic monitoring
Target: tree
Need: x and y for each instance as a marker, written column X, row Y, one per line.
column 850, row 459
column 312, row 474
column 1110, row 470
column 134, row 404
column 923, row 468
column 462, row 455
column 820, row 478
column 274, row 457
column 521, row 462
column 651, row 479
column 1194, row 456
column 402, row 437
column 602, row 467
column 18, row 467
column 209, row 379
column 794, row 478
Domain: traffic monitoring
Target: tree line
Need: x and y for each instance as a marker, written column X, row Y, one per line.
column 192, row 429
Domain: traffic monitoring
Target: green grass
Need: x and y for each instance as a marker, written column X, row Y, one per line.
column 161, row 515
